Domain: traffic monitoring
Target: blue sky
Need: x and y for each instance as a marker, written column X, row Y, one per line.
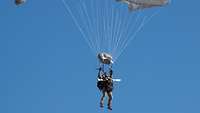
column 46, row 66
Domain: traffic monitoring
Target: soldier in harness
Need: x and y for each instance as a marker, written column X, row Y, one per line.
column 105, row 85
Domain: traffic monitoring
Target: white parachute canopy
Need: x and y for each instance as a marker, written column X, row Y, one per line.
column 134, row 5
column 106, row 25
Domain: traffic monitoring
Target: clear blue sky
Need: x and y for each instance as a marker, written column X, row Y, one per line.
column 46, row 66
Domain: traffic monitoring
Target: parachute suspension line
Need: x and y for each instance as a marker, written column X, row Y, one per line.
column 108, row 10
column 106, row 26
column 90, row 29
column 112, row 27
column 125, row 29
column 117, row 30
column 130, row 29
column 125, row 43
column 107, row 18
column 92, row 24
column 97, row 31
column 105, row 14
column 100, row 27
column 77, row 24
column 109, row 28
column 145, row 21
column 95, row 25
column 85, row 23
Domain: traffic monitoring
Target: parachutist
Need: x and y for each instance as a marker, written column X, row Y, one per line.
column 105, row 81
column 19, row 2
column 105, row 85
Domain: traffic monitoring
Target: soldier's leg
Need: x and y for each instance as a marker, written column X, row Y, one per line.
column 109, row 100
column 102, row 98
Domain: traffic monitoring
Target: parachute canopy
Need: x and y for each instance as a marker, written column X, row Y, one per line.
column 141, row 4
column 19, row 2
